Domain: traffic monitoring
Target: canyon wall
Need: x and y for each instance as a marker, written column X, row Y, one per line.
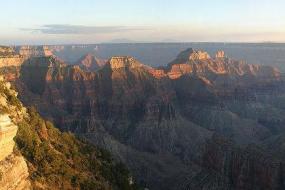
column 11, row 61
column 16, row 56
column 160, row 122
column 13, row 167
column 7, row 133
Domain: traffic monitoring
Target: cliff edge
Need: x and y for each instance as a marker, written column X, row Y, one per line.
column 13, row 168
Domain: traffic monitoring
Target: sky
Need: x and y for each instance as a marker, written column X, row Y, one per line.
column 99, row 21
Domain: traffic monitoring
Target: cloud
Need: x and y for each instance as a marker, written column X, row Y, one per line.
column 80, row 29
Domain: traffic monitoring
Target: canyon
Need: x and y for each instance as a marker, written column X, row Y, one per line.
column 36, row 155
column 198, row 122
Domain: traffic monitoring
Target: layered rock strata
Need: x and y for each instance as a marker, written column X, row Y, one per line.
column 160, row 122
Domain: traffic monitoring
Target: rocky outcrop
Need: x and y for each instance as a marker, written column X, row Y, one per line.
column 14, row 60
column 122, row 62
column 13, row 168
column 158, row 73
column 33, row 51
column 6, row 51
column 191, row 54
column 90, row 63
column 199, row 55
column 47, row 51
column 220, row 54
column 16, row 56
column 197, row 63
column 9, row 58
column 8, row 131
column 14, row 173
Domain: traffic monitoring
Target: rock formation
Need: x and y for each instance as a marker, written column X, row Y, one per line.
column 8, row 57
column 55, row 160
column 90, row 63
column 8, row 131
column 6, row 51
column 122, row 62
column 16, row 56
column 47, row 51
column 199, row 55
column 190, row 125
column 220, row 54
column 11, row 61
column 33, row 51
column 189, row 63
column 14, row 173
column 13, row 168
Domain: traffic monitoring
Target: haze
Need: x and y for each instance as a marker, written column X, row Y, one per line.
column 72, row 21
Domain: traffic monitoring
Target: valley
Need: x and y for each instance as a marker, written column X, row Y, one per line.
column 197, row 122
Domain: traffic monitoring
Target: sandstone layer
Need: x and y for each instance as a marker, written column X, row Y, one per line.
column 11, row 61
column 14, row 173
column 8, row 131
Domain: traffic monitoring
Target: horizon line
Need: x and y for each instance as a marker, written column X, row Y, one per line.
column 146, row 42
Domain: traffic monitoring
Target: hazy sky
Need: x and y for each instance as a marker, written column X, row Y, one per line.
column 95, row 21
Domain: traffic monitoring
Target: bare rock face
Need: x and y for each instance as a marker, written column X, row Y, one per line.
column 191, row 55
column 90, row 63
column 8, row 131
column 198, row 63
column 158, row 73
column 220, row 54
column 11, row 61
column 13, row 168
column 34, row 51
column 14, row 173
column 6, row 51
column 122, row 62
column 8, row 57
column 179, row 70
column 47, row 51
column 199, row 55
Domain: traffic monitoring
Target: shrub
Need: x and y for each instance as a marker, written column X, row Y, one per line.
column 63, row 160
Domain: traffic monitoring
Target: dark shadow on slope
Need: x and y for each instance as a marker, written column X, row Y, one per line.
column 33, row 74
